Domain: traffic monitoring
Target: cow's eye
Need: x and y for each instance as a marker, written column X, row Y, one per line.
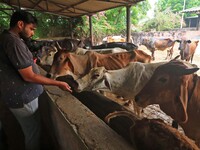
column 95, row 76
column 162, row 79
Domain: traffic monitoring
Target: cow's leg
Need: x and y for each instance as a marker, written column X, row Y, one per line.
column 191, row 58
column 171, row 51
column 152, row 55
column 168, row 55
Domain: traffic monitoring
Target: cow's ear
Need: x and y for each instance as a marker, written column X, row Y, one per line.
column 175, row 58
column 54, row 48
column 186, row 71
column 181, row 101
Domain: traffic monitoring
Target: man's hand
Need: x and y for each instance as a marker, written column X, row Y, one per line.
column 64, row 86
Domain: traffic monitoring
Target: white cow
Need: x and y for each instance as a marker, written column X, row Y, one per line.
column 125, row 82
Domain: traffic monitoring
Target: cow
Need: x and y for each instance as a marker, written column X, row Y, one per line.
column 70, row 44
column 82, row 51
column 110, row 39
column 162, row 44
column 125, row 45
column 66, row 63
column 151, row 134
column 125, row 82
column 174, row 86
column 187, row 49
column 45, row 55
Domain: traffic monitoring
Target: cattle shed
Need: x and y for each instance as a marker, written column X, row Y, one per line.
column 67, row 123
column 194, row 10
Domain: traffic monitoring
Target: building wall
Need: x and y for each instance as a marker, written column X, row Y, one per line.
column 176, row 34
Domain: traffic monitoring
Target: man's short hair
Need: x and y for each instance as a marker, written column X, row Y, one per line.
column 24, row 16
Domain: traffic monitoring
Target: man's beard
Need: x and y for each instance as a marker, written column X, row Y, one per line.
column 23, row 36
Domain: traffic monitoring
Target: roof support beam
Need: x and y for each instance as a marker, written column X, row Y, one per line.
column 91, row 31
column 128, row 23
column 198, row 22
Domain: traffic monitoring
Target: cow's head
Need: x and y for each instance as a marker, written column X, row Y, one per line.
column 61, row 65
column 96, row 79
column 144, row 41
column 184, row 48
column 46, row 55
column 168, row 87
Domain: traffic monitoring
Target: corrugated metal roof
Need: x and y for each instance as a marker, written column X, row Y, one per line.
column 192, row 10
column 69, row 8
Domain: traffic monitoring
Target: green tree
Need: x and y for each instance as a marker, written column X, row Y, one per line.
column 113, row 21
column 4, row 17
column 110, row 22
column 163, row 21
column 177, row 5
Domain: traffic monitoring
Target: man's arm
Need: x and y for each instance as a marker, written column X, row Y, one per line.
column 29, row 76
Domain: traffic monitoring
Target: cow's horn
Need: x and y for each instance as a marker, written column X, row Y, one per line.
column 58, row 45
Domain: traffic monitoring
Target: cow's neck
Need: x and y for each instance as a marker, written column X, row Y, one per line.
column 191, row 127
column 192, row 87
column 127, row 82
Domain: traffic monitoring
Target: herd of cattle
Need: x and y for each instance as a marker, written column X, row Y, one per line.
column 121, row 68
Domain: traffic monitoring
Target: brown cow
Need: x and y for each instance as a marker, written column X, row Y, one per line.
column 187, row 49
column 66, row 63
column 162, row 44
column 152, row 134
column 175, row 88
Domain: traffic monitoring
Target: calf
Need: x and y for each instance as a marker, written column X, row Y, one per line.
column 66, row 63
column 162, row 44
column 187, row 49
column 175, row 88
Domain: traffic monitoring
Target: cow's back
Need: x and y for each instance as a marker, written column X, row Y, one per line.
column 112, row 61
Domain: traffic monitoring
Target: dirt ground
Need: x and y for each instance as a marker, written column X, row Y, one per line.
column 161, row 55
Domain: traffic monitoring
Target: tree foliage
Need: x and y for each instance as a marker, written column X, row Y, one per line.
column 113, row 21
column 110, row 22
column 167, row 14
column 4, row 17
column 177, row 5
column 163, row 21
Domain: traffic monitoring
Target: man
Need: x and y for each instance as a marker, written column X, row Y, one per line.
column 21, row 83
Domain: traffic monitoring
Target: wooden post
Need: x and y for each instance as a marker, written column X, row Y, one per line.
column 128, row 23
column 198, row 22
column 91, row 31
column 70, row 28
